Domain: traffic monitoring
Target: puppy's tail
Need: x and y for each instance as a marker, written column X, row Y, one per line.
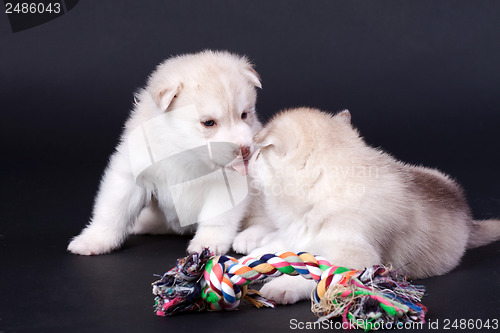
column 483, row 233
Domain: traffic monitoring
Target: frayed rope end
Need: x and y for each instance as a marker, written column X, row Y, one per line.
column 377, row 297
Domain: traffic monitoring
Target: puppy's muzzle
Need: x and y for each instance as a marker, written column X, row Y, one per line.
column 245, row 152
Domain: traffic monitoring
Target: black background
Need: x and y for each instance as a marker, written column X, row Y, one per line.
column 421, row 79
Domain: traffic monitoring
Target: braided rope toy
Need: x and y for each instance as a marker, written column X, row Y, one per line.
column 365, row 299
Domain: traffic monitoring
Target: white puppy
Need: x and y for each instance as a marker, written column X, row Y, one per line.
column 327, row 192
column 220, row 88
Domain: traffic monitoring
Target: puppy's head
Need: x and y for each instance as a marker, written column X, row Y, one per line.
column 276, row 144
column 296, row 140
column 221, row 85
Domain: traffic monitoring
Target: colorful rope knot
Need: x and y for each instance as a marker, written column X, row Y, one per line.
column 372, row 298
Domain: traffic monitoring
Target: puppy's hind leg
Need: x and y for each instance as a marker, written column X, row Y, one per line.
column 151, row 221
column 288, row 289
column 117, row 205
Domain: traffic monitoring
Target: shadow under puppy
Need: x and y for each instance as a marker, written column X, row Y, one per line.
column 205, row 98
column 327, row 192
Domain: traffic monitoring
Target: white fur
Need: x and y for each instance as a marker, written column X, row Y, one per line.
column 326, row 192
column 221, row 86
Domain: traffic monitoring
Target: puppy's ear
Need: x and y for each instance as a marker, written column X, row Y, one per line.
column 262, row 138
column 164, row 97
column 345, row 116
column 267, row 140
column 252, row 76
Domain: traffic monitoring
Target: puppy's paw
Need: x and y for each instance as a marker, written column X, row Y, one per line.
column 198, row 243
column 246, row 241
column 287, row 289
column 92, row 243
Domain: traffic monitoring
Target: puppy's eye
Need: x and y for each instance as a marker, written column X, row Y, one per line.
column 244, row 115
column 209, row 123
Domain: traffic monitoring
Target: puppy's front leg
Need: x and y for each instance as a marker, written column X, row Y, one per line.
column 257, row 226
column 218, row 233
column 117, row 205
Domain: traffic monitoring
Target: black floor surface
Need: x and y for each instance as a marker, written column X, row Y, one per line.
column 46, row 289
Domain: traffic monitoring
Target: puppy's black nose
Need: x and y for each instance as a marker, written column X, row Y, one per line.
column 245, row 151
